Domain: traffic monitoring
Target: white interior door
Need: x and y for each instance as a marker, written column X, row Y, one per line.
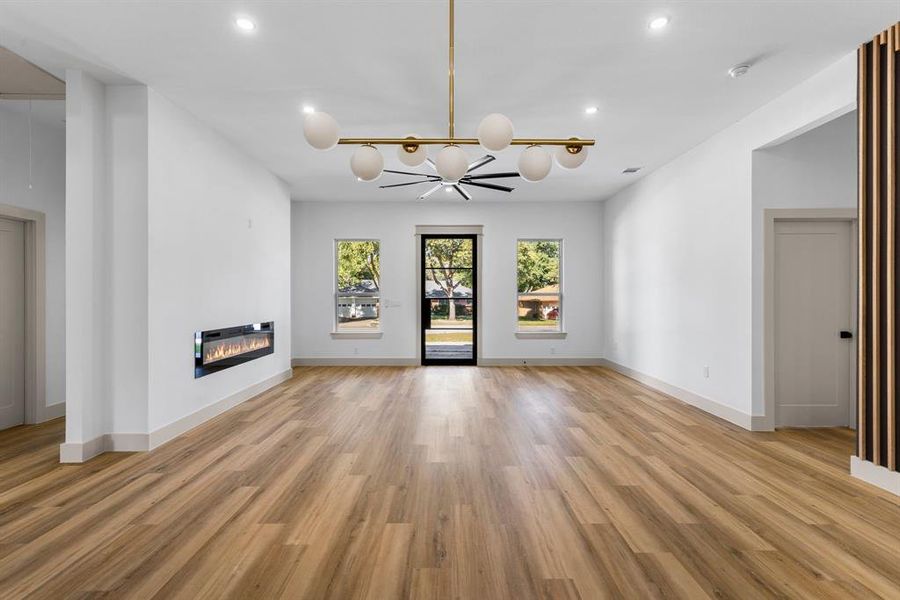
column 12, row 323
column 813, row 305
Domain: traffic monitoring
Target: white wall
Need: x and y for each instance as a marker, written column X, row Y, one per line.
column 125, row 321
column 86, row 253
column 47, row 195
column 679, row 247
column 219, row 255
column 315, row 226
column 817, row 169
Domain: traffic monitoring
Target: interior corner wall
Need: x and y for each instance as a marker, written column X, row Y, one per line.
column 219, row 256
column 678, row 247
column 47, row 195
column 315, row 226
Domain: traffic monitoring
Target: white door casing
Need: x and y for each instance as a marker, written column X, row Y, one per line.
column 12, row 323
column 812, row 305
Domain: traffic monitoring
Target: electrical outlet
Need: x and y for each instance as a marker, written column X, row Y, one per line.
column 552, row 349
column 355, row 350
column 706, row 371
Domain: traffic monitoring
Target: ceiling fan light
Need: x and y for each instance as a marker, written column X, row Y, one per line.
column 321, row 130
column 414, row 158
column 495, row 132
column 569, row 160
column 534, row 163
column 367, row 163
column 452, row 163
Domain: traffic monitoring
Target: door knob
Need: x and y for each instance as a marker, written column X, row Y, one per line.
column 846, row 335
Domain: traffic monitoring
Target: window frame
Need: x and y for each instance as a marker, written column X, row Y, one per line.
column 560, row 331
column 336, row 331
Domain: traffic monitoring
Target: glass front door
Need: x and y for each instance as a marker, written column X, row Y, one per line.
column 449, row 293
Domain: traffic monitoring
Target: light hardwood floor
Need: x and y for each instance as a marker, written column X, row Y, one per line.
column 450, row 482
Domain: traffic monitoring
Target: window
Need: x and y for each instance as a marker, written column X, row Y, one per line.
column 539, row 300
column 358, row 279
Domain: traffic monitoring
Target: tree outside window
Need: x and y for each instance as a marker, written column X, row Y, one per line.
column 539, row 292
column 358, row 274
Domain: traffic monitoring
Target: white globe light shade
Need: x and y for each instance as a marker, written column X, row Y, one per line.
column 321, row 130
column 412, row 159
column 567, row 160
column 534, row 163
column 495, row 132
column 452, row 163
column 367, row 163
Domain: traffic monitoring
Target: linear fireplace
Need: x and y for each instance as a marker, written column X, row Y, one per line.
column 219, row 349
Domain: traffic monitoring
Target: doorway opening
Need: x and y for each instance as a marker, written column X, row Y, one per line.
column 449, row 296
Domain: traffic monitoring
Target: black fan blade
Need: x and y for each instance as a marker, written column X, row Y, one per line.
column 492, row 175
column 489, row 186
column 462, row 192
column 480, row 163
column 403, row 184
column 408, row 173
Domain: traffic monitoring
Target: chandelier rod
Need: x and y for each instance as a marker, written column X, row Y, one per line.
column 452, row 68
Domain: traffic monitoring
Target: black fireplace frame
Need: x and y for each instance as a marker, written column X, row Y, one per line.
column 201, row 338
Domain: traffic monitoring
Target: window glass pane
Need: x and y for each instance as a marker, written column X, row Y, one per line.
column 448, row 253
column 358, row 283
column 539, row 313
column 538, row 266
column 539, row 303
column 457, row 315
column 357, row 312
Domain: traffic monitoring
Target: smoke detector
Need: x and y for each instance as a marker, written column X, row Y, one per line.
column 738, row 71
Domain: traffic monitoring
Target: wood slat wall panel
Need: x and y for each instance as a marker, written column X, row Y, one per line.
column 878, row 191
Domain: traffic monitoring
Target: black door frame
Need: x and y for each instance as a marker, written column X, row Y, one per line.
column 426, row 302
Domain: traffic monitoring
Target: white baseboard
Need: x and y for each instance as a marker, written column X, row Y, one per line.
column 355, row 361
column 142, row 442
column 732, row 415
column 556, row 361
column 75, row 452
column 873, row 474
column 375, row 361
column 186, row 423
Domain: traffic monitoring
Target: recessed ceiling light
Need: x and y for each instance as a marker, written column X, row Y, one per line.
column 591, row 110
column 244, row 23
column 308, row 110
column 658, row 23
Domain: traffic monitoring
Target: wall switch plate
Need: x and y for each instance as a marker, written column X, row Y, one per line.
column 706, row 372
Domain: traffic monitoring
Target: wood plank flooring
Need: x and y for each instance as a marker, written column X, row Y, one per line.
column 450, row 482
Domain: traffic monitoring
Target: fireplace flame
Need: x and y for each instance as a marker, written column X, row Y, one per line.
column 217, row 351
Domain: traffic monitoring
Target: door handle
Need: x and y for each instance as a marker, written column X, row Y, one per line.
column 846, row 335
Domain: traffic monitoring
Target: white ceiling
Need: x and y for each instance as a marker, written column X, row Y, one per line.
column 379, row 67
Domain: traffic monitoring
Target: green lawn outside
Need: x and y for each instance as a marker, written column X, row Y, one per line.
column 538, row 323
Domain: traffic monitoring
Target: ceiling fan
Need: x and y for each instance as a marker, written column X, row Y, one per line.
column 467, row 179
column 451, row 167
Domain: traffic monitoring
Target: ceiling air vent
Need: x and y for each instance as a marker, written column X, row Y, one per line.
column 630, row 170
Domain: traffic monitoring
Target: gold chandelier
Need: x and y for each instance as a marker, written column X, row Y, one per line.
column 451, row 165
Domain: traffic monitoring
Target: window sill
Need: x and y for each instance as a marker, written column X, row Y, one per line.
column 356, row 335
column 541, row 335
